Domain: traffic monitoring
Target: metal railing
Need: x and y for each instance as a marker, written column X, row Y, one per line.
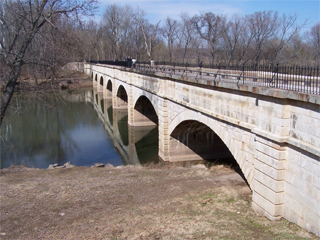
column 304, row 79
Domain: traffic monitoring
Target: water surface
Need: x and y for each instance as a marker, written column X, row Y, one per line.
column 82, row 129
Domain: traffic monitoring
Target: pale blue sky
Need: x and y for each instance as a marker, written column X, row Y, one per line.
column 159, row 9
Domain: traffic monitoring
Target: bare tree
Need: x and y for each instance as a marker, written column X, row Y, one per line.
column 112, row 19
column 127, row 32
column 287, row 29
column 90, row 40
column 208, row 27
column 263, row 26
column 137, row 37
column 315, row 42
column 245, row 42
column 170, row 33
column 21, row 22
column 121, row 25
column 186, row 34
column 231, row 33
column 149, row 33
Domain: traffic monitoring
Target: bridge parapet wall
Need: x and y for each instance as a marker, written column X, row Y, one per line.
column 274, row 135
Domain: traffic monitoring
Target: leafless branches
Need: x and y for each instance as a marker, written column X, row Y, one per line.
column 22, row 24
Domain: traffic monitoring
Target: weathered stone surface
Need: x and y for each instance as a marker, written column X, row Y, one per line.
column 56, row 165
column 99, row 165
column 68, row 165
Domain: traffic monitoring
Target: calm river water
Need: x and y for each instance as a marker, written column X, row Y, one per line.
column 82, row 129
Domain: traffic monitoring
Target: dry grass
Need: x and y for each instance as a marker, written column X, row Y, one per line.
column 157, row 202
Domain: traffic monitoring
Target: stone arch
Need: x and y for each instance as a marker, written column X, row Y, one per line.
column 145, row 113
column 119, row 86
column 194, row 140
column 122, row 94
column 154, row 99
column 107, row 92
column 109, row 85
column 96, row 77
column 121, row 102
column 92, row 75
column 101, row 81
column 225, row 132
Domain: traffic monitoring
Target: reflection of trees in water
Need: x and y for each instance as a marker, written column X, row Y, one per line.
column 147, row 147
column 110, row 115
column 39, row 132
column 102, row 105
column 97, row 99
column 123, row 130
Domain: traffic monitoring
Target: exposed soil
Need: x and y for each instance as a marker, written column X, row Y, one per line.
column 133, row 202
column 75, row 80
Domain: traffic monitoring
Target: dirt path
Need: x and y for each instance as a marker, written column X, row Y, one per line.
column 133, row 203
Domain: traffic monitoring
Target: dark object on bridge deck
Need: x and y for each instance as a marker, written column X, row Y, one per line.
column 127, row 63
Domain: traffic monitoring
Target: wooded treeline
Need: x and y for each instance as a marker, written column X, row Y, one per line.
column 258, row 38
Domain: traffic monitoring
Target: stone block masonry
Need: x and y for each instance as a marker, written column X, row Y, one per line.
column 274, row 135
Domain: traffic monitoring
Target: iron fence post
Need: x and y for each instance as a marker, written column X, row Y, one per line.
column 243, row 73
column 186, row 69
column 317, row 85
column 277, row 69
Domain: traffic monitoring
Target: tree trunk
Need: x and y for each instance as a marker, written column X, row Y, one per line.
column 10, row 87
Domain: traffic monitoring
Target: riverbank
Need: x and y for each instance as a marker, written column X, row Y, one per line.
column 133, row 202
column 64, row 79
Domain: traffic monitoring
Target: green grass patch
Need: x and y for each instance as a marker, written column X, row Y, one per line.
column 231, row 200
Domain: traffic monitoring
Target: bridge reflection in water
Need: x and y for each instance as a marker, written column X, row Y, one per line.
column 139, row 144
column 135, row 144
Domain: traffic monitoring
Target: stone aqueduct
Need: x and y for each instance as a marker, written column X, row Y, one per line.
column 274, row 135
